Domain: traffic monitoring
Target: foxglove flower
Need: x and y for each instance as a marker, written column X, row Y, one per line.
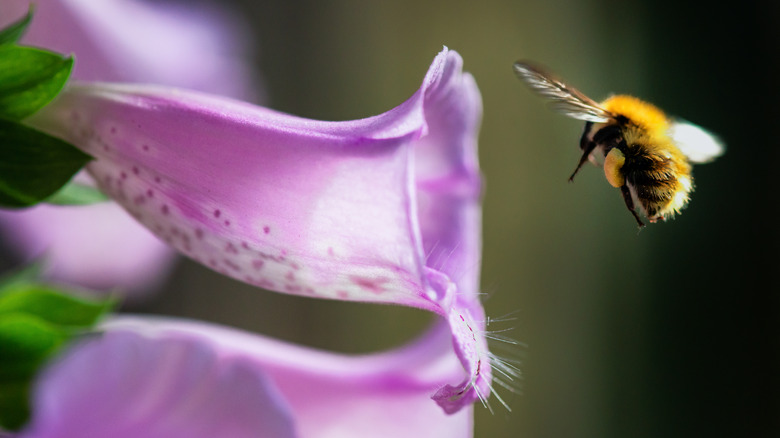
column 100, row 246
column 384, row 209
column 197, row 48
column 169, row 379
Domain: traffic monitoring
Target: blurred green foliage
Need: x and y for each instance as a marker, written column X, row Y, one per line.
column 36, row 320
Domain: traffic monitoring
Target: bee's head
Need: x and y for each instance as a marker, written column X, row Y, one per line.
column 603, row 135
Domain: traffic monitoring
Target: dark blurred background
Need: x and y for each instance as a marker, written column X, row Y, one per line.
column 670, row 332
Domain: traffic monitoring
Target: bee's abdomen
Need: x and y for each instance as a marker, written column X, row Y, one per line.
column 660, row 182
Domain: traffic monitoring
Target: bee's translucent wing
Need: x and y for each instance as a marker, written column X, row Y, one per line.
column 565, row 99
column 696, row 143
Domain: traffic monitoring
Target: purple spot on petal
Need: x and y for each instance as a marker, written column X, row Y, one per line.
column 370, row 284
column 135, row 170
column 231, row 249
column 342, row 294
column 266, row 229
column 292, row 288
column 217, row 213
column 150, row 193
column 165, row 210
column 231, row 264
column 123, row 175
column 145, row 148
column 227, row 223
column 113, row 130
column 258, row 264
column 331, row 252
column 244, row 245
column 199, row 233
column 157, row 179
column 290, row 276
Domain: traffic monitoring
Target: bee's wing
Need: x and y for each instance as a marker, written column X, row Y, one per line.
column 565, row 99
column 696, row 143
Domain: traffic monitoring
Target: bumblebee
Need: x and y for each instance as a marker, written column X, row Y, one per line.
column 644, row 153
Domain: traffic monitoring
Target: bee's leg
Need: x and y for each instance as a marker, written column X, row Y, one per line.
column 587, row 144
column 607, row 137
column 587, row 148
column 630, row 204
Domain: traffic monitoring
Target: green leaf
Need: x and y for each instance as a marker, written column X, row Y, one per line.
column 25, row 344
column 51, row 305
column 77, row 194
column 36, row 321
column 29, row 79
column 14, row 31
column 33, row 165
column 14, row 403
column 25, row 340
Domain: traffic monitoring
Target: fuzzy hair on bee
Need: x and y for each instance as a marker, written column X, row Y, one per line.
column 644, row 153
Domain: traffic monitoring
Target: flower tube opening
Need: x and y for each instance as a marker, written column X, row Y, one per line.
column 384, row 209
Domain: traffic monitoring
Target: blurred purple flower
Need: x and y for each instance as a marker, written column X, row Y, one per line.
column 163, row 378
column 109, row 45
column 111, row 250
column 384, row 209
column 143, row 41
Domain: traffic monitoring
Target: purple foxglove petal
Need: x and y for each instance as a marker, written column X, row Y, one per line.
column 125, row 385
column 166, row 378
column 100, row 246
column 384, row 209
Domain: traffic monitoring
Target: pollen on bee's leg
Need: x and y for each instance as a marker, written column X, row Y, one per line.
column 613, row 163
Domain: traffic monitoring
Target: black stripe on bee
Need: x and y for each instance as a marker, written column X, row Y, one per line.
column 653, row 177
